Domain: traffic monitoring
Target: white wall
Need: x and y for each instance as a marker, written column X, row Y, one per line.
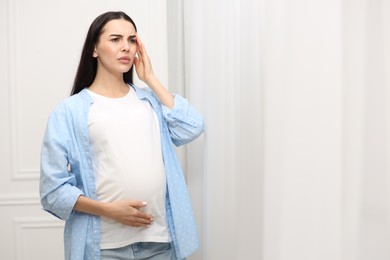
column 40, row 48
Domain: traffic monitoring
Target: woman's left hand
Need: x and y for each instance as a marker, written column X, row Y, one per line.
column 142, row 63
column 145, row 73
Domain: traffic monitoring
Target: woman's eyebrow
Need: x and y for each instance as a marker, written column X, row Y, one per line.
column 120, row 35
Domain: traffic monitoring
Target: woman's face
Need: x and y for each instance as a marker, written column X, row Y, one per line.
column 116, row 48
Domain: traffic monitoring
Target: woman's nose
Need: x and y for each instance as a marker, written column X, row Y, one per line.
column 125, row 46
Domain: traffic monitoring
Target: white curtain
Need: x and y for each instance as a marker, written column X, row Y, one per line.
column 295, row 160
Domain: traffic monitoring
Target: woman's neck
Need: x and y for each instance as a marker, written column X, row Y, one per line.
column 109, row 85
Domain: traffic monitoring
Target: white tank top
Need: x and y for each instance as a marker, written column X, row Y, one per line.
column 125, row 140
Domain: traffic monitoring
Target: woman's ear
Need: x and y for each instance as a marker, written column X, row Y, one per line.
column 94, row 54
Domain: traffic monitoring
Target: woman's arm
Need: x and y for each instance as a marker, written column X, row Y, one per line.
column 145, row 73
column 58, row 186
column 127, row 212
column 184, row 122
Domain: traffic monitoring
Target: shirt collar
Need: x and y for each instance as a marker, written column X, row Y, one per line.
column 84, row 94
column 141, row 93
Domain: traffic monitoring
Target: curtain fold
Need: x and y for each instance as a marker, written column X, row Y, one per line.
column 294, row 163
column 222, row 68
column 366, row 174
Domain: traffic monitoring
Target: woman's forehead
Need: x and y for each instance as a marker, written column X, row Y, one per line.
column 118, row 26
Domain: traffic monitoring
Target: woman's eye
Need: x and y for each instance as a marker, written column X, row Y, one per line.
column 115, row 39
column 132, row 40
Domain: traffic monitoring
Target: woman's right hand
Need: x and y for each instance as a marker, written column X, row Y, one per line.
column 128, row 212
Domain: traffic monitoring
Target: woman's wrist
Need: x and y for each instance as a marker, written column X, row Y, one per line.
column 91, row 206
column 152, row 81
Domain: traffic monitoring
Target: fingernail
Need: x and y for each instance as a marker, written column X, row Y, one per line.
column 144, row 203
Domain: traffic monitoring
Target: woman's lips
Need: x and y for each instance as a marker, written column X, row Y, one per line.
column 124, row 60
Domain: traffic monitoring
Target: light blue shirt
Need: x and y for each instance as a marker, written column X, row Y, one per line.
column 67, row 172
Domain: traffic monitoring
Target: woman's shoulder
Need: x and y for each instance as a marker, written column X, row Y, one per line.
column 73, row 103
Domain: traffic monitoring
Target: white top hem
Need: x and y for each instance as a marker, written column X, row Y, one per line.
column 135, row 240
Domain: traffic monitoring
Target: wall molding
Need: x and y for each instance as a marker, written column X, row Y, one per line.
column 17, row 173
column 19, row 199
column 21, row 224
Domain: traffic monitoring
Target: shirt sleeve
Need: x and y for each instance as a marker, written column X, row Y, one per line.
column 58, row 185
column 184, row 122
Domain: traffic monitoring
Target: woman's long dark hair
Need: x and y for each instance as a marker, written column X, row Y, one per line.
column 86, row 71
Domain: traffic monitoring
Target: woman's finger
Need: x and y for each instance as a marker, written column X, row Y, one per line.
column 141, row 46
column 139, row 43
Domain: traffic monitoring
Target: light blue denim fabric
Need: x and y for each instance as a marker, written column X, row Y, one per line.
column 67, row 172
column 140, row 251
